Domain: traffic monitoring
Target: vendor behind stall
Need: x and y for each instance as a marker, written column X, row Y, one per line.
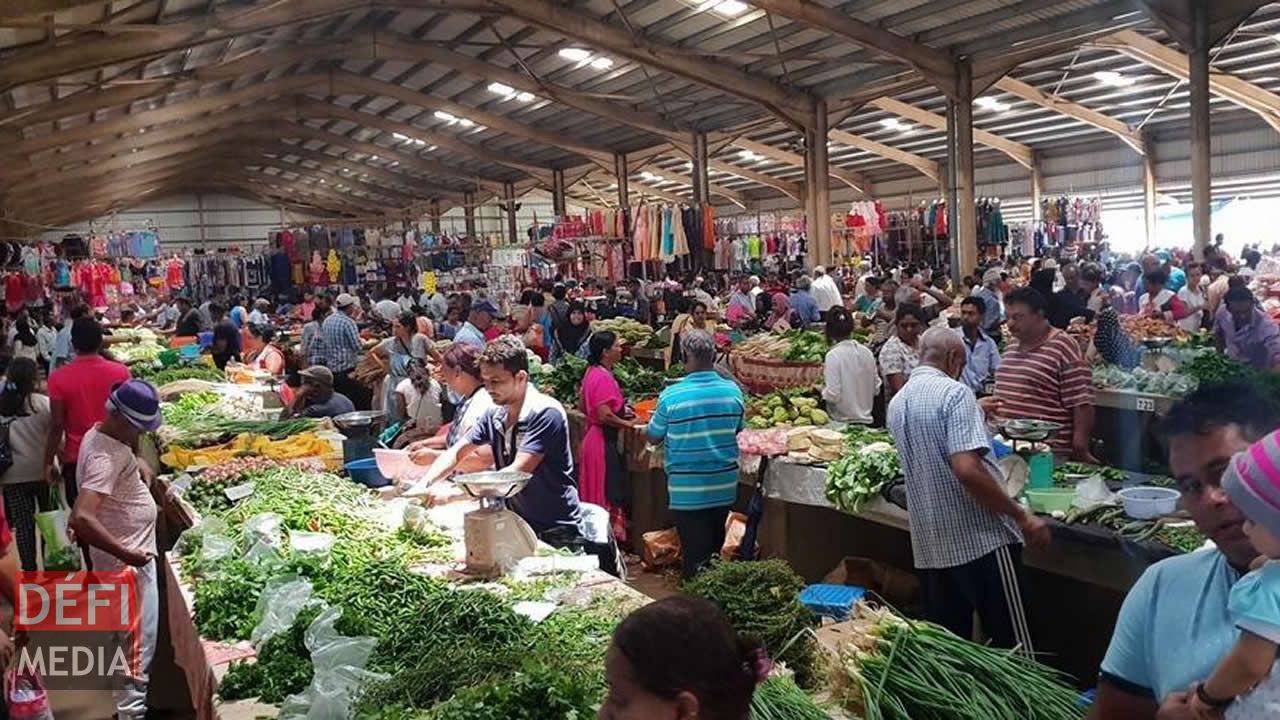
column 1043, row 376
column 850, row 380
column 317, row 398
column 527, row 432
column 260, row 350
column 1246, row 333
column 189, row 322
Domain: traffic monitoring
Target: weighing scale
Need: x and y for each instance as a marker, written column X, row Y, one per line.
column 1155, row 359
column 361, row 429
column 495, row 537
column 1029, row 432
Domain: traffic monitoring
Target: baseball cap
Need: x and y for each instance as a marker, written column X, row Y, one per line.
column 992, row 275
column 485, row 306
column 344, row 300
column 318, row 374
column 138, row 402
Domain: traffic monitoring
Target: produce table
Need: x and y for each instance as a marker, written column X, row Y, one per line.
column 201, row 661
column 1126, row 422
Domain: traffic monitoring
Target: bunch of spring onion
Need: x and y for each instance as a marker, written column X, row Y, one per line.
column 779, row 698
column 896, row 669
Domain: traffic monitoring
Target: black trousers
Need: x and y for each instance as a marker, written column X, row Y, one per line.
column 358, row 393
column 991, row 586
column 701, row 536
column 565, row 537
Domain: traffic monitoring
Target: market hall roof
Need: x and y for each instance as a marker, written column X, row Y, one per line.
column 379, row 107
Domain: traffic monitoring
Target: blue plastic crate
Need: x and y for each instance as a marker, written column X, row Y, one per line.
column 833, row 601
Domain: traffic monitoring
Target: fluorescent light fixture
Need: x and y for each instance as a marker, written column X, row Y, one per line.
column 498, row 88
column 447, row 117
column 525, row 97
column 574, row 54
column 1113, row 78
column 892, row 123
column 373, row 157
column 992, row 104
column 602, row 63
column 433, row 147
column 465, row 122
column 730, row 8
column 748, row 155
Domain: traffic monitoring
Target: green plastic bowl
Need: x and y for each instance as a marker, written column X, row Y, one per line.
column 1050, row 500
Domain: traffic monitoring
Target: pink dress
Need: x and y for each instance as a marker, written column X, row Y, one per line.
column 598, row 388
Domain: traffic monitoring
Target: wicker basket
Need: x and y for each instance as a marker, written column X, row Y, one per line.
column 765, row 375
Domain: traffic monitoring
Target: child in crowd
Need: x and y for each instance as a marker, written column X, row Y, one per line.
column 1244, row 683
column 677, row 659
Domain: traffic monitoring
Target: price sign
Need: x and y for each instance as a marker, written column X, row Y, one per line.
column 1144, row 404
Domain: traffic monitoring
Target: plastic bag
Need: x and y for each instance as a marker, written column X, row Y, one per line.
column 59, row 552
column 278, row 606
column 216, row 547
column 192, row 539
column 26, row 696
column 310, row 544
column 1092, row 491
column 265, row 538
column 339, row 663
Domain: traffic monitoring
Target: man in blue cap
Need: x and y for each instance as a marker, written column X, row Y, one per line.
column 481, row 317
column 115, row 516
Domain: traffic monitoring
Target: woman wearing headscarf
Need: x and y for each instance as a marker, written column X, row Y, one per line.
column 780, row 315
column 571, row 334
column 403, row 347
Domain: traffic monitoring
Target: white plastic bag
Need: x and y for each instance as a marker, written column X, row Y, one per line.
column 278, row 606
column 339, row 663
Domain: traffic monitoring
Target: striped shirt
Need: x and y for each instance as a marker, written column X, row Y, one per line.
column 1046, row 383
column 699, row 418
column 932, row 418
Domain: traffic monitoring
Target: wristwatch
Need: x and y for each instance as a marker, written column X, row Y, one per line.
column 1211, row 701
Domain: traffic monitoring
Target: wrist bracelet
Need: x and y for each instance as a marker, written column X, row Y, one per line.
column 1211, row 701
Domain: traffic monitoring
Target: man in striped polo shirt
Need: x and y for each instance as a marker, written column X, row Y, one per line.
column 699, row 419
column 1043, row 376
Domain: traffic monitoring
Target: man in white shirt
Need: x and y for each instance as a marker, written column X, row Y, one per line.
column 1193, row 299
column 850, row 379
column 825, row 290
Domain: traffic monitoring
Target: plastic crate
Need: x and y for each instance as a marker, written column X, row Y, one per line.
column 833, row 601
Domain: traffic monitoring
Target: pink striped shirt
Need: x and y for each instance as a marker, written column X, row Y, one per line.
column 1046, row 383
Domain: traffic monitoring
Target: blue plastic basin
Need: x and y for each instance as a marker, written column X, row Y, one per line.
column 365, row 471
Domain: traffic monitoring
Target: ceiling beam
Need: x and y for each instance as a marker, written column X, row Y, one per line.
column 398, row 47
column 82, row 103
column 70, row 55
column 1169, row 61
column 686, row 180
column 169, row 133
column 786, row 187
column 16, row 10
column 789, row 104
column 1062, row 106
column 927, row 167
column 344, row 81
column 1019, row 152
column 317, row 110
column 933, row 64
column 180, row 111
column 848, row 177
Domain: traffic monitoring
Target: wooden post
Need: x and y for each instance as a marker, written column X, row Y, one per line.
column 435, row 217
column 558, row 205
column 1149, row 190
column 200, row 219
column 1037, row 187
column 1201, row 182
column 818, row 188
column 469, row 213
column 701, row 179
column 509, row 207
column 964, row 233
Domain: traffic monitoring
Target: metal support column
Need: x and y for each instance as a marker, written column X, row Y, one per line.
column 1149, row 189
column 1201, row 182
column 509, row 209
column 558, row 189
column 435, row 217
column 818, row 188
column 701, row 180
column 469, row 213
column 964, row 231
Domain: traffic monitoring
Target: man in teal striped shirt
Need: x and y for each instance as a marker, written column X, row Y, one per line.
column 699, row 419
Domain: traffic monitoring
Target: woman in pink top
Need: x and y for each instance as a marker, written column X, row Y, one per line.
column 602, row 475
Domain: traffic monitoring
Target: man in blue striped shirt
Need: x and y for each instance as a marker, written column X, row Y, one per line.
column 699, row 419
